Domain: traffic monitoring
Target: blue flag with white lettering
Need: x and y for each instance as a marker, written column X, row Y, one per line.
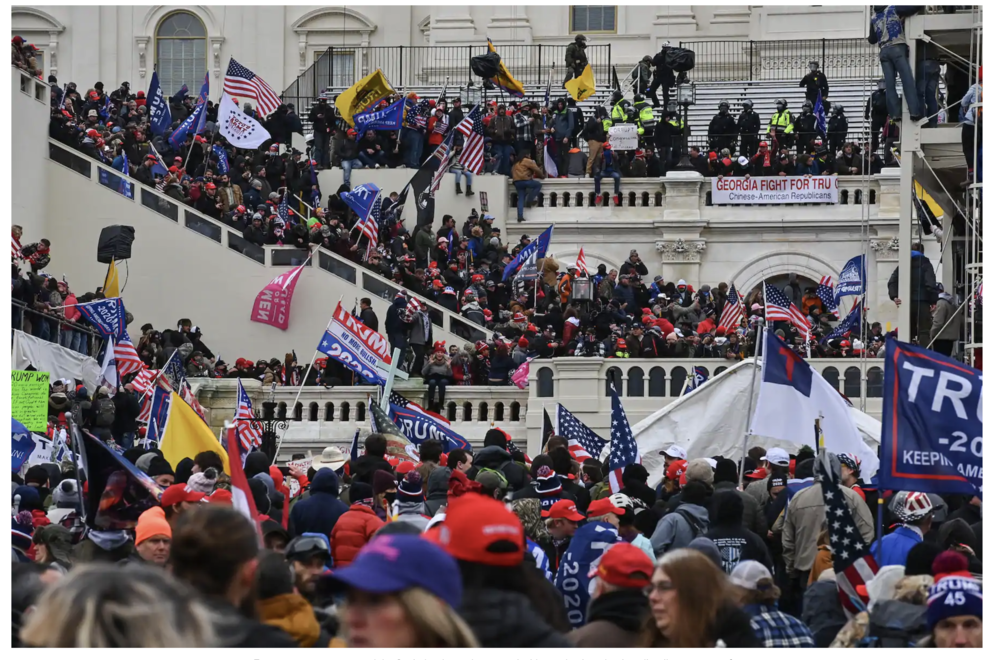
column 21, row 444
column 851, row 323
column 195, row 123
column 820, row 111
column 699, row 376
column 159, row 167
column 220, row 155
column 582, row 558
column 362, row 199
column 386, row 119
column 853, row 279
column 534, row 251
column 157, row 107
column 106, row 315
column 418, row 424
column 124, row 187
column 932, row 422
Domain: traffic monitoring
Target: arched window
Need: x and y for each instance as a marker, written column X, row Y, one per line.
column 875, row 383
column 515, row 412
column 852, row 383
column 314, row 412
column 719, row 370
column 678, row 379
column 451, row 411
column 484, row 411
column 345, row 412
column 361, row 412
column 657, row 382
column 832, row 376
column 330, row 412
column 298, row 412
column 498, row 412
column 544, row 383
column 614, row 377
column 635, row 381
column 466, row 412
column 282, row 410
column 181, row 53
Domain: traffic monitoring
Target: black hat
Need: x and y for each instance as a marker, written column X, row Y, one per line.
column 99, row 85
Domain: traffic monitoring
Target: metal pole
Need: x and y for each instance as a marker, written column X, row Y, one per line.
column 878, row 532
column 387, row 389
column 298, row 394
column 753, row 387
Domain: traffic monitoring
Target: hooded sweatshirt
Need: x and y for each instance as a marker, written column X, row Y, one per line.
column 677, row 529
column 735, row 542
column 437, row 490
column 318, row 513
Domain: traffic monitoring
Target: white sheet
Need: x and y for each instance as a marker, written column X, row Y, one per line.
column 59, row 362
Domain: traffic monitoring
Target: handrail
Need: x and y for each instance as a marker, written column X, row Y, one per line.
column 59, row 320
column 270, row 249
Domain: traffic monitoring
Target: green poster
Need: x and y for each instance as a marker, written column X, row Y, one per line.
column 29, row 399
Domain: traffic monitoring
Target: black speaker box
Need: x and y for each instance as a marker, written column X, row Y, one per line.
column 115, row 243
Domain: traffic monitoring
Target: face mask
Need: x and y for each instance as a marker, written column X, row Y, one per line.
column 390, row 498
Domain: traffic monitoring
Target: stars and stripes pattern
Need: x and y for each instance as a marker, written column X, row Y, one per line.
column 780, row 308
column 445, row 157
column 583, row 443
column 581, row 263
column 825, row 293
column 250, row 433
column 143, row 380
column 370, row 226
column 244, row 83
column 283, row 212
column 853, row 563
column 15, row 249
column 624, row 451
column 187, row 394
column 472, row 152
column 733, row 310
column 126, row 356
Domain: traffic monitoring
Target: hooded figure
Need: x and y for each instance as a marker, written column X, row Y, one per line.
column 437, row 490
column 687, row 522
column 320, row 511
column 736, row 543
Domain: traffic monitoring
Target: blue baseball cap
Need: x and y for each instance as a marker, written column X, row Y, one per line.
column 394, row 563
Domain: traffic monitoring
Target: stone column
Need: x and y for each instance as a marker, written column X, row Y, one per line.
column 510, row 25
column 681, row 259
column 452, row 24
column 885, row 255
column 682, row 197
column 674, row 22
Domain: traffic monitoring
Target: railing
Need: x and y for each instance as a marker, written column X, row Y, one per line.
column 231, row 237
column 413, row 66
column 34, row 87
column 782, row 60
column 53, row 329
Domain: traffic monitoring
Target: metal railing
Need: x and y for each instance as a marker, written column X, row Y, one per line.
column 53, row 330
column 416, row 66
column 782, row 60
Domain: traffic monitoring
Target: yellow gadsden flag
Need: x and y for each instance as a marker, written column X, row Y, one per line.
column 583, row 86
column 362, row 95
column 186, row 435
column 504, row 79
column 111, row 282
column 926, row 196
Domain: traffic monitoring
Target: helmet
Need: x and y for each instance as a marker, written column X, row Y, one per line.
column 781, row 103
column 581, row 39
column 665, row 44
column 621, row 500
column 807, row 107
column 724, row 105
column 616, row 96
column 748, row 104
column 852, row 462
column 638, row 98
column 911, row 506
column 647, row 58
column 837, row 108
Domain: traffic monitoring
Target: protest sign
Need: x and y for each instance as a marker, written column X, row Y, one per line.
column 775, row 190
column 42, row 452
column 624, row 137
column 29, row 399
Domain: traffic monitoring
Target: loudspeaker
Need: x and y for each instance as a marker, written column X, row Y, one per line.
column 115, row 243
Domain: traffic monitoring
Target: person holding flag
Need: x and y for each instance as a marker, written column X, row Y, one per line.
column 195, row 123
column 157, row 107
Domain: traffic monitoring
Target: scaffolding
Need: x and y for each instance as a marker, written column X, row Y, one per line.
column 934, row 157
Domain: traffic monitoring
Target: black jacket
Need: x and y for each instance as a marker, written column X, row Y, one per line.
column 365, row 466
column 923, row 283
column 238, row 632
column 736, row 543
column 748, row 123
column 370, row 318
column 721, row 129
column 815, row 83
column 663, row 73
column 320, row 512
column 496, row 458
column 506, row 619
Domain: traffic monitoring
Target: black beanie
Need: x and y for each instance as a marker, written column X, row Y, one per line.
column 495, row 438
column 726, row 470
column 921, row 558
column 158, row 466
column 361, row 493
column 260, row 499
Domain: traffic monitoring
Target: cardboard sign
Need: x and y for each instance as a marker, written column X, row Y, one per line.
column 624, row 137
column 775, row 190
column 303, row 463
column 29, row 399
column 484, row 202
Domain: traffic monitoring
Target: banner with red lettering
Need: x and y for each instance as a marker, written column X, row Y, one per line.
column 273, row 305
column 360, row 348
column 775, row 190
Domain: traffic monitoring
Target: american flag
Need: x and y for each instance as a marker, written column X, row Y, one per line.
column 242, row 82
column 780, row 308
column 825, row 293
column 472, row 152
column 371, row 225
column 143, row 380
column 187, row 394
column 248, row 432
column 15, row 249
column 443, row 152
column 126, row 356
column 624, row 451
column 581, row 263
column 852, row 560
column 732, row 310
column 583, row 443
column 283, row 211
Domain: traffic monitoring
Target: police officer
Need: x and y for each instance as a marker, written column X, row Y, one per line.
column 722, row 129
column 780, row 126
column 816, row 86
column 748, row 126
column 805, row 129
column 836, row 128
column 877, row 109
column 663, row 77
column 668, row 137
column 576, row 58
column 645, row 119
column 619, row 108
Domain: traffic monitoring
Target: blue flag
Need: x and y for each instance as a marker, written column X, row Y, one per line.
column 157, row 107
column 21, row 444
column 533, row 252
column 124, row 187
column 173, row 371
column 851, row 323
column 159, row 167
column 107, row 316
column 105, row 112
column 387, row 119
column 362, row 199
column 158, row 415
column 195, row 123
column 581, row 560
column 820, row 111
column 699, row 375
column 418, row 424
column 220, row 155
column 932, row 422
column 117, row 491
column 853, row 279
column 354, row 445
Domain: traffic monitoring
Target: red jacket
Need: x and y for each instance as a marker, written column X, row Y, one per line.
column 353, row 530
column 666, row 326
column 708, row 325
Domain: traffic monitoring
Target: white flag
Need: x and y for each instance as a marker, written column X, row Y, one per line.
column 240, row 129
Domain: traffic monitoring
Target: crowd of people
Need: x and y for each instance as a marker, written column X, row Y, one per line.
column 486, row 549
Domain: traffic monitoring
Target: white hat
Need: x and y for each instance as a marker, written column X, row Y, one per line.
column 742, row 160
column 676, row 452
column 711, row 461
column 681, row 283
column 748, row 573
column 777, row 456
column 331, row 458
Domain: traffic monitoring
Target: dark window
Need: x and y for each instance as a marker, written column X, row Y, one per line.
column 313, row 412
column 545, row 387
column 832, row 376
column 361, row 413
column 515, row 412
column 451, row 412
column 678, row 379
column 466, row 412
column 657, row 382
column 484, row 412
column 875, row 383
column 345, row 412
column 852, row 383
column 298, row 412
column 593, row 18
column 330, row 412
column 635, row 382
column 498, row 412
column 159, row 204
column 613, row 378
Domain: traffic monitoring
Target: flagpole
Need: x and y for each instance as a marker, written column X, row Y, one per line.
column 387, row 389
column 157, row 375
column 753, row 387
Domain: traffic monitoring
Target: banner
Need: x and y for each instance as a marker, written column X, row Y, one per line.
column 195, row 121
column 418, row 424
column 932, row 422
column 239, row 128
column 534, row 251
column 853, row 279
column 273, row 305
column 117, row 491
column 361, row 349
column 157, row 107
column 583, row 86
column 361, row 199
column 386, row 119
column 362, row 95
column 624, row 137
column 775, row 190
column 107, row 316
column 29, row 399
column 21, row 445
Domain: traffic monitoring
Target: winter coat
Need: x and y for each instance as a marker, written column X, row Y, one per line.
column 363, row 468
column 805, row 516
column 846, row 161
column 293, row 614
column 563, row 125
column 896, row 546
column 736, row 543
column 411, row 513
column 753, row 514
column 506, row 619
column 945, row 319
column 923, row 283
column 320, row 512
column 353, row 530
column 822, row 611
column 613, row 621
column 498, row 459
column 437, row 490
column 678, row 528
column 237, row 631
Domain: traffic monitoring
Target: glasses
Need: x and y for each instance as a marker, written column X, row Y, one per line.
column 657, row 587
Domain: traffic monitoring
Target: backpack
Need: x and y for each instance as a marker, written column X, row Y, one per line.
column 895, row 624
column 104, row 412
column 504, row 484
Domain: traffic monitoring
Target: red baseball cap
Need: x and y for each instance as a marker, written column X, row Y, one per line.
column 759, row 473
column 480, row 529
column 405, row 467
column 180, row 493
column 626, row 566
column 676, row 470
column 221, row 496
column 565, row 509
column 603, row 507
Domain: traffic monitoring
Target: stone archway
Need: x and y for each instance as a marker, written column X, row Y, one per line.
column 157, row 13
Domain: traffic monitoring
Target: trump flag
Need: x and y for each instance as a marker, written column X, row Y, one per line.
column 361, row 349
column 273, row 305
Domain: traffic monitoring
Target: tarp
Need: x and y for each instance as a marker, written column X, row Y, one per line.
column 710, row 421
column 58, row 361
